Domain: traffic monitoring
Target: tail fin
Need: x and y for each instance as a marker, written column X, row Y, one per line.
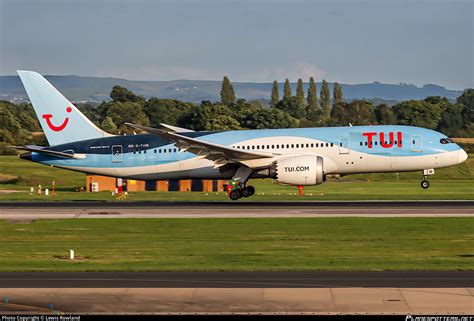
column 61, row 121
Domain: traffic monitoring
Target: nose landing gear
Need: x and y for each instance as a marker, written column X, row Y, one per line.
column 425, row 183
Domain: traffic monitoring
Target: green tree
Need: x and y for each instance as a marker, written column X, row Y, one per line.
column 384, row 115
column 26, row 116
column 287, row 89
column 227, row 92
column 360, row 112
column 312, row 100
column 270, row 118
column 167, row 111
column 108, row 125
column 419, row 113
column 325, row 99
column 466, row 101
column 337, row 93
column 209, row 116
column 291, row 106
column 122, row 112
column 275, row 94
column 451, row 122
column 122, row 94
column 339, row 115
column 300, row 94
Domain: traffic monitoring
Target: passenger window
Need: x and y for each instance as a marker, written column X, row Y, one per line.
column 327, row 145
column 332, row 144
column 297, row 146
column 164, row 150
column 312, row 145
column 292, row 145
column 155, row 151
column 317, row 144
column 273, row 146
column 360, row 143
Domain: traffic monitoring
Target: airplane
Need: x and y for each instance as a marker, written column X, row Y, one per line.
column 292, row 156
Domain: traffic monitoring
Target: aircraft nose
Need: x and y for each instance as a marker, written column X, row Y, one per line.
column 462, row 156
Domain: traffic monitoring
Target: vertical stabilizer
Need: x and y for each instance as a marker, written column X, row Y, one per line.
column 61, row 121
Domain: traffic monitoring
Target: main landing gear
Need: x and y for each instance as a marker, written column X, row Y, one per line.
column 239, row 191
column 425, row 183
column 237, row 187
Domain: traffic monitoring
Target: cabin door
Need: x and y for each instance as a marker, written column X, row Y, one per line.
column 344, row 145
column 116, row 153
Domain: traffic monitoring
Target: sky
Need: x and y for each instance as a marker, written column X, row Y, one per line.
column 349, row 41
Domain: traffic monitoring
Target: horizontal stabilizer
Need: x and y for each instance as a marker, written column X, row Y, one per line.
column 41, row 150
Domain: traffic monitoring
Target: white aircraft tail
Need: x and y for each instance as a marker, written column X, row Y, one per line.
column 61, row 121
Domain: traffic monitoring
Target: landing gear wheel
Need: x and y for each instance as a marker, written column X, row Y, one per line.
column 248, row 191
column 235, row 194
column 425, row 184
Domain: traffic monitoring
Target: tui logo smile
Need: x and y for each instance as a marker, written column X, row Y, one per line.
column 48, row 117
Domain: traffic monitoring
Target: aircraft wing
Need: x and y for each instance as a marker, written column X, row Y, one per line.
column 40, row 150
column 177, row 129
column 219, row 154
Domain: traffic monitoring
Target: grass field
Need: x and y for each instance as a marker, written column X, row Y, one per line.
column 238, row 244
column 455, row 182
column 266, row 191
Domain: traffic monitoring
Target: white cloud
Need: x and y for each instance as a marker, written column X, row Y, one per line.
column 302, row 70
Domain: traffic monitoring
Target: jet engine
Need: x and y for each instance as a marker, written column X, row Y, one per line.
column 299, row 170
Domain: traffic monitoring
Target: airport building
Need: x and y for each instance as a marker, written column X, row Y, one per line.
column 97, row 183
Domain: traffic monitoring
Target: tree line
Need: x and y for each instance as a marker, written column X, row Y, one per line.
column 301, row 109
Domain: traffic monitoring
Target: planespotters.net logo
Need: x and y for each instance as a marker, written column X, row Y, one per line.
column 439, row 318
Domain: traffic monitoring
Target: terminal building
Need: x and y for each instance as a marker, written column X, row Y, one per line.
column 96, row 183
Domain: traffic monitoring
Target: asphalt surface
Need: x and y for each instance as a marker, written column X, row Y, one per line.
column 63, row 210
column 245, row 204
column 395, row 279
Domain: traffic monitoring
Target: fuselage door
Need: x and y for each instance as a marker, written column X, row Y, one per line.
column 416, row 143
column 344, row 145
column 116, row 153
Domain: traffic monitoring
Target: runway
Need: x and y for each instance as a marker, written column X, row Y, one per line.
column 402, row 293
column 323, row 279
column 63, row 210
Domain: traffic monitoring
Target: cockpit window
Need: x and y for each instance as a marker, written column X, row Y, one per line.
column 444, row 141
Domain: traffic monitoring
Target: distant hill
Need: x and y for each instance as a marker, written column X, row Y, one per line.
column 97, row 89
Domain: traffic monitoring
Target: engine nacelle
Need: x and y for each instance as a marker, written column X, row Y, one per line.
column 299, row 170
